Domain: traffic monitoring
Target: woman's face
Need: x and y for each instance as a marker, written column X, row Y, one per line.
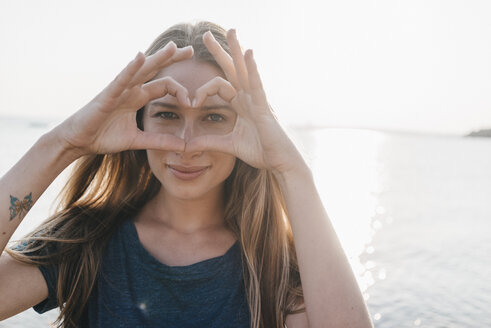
column 190, row 175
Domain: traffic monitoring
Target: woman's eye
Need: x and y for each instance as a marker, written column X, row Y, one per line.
column 167, row 115
column 215, row 118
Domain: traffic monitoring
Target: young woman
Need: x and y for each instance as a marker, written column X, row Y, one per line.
column 188, row 206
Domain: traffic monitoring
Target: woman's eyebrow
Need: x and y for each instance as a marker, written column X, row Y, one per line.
column 216, row 107
column 172, row 106
column 164, row 104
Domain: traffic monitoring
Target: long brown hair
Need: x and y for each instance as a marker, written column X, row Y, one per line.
column 106, row 189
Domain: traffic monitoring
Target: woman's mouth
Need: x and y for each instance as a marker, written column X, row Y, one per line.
column 187, row 172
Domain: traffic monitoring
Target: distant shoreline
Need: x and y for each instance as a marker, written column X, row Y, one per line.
column 47, row 122
column 480, row 133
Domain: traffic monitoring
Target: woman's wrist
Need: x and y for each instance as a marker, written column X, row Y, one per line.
column 290, row 176
column 61, row 150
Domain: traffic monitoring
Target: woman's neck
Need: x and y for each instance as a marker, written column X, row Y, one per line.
column 186, row 216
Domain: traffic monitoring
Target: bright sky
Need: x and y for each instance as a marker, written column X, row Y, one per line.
column 415, row 65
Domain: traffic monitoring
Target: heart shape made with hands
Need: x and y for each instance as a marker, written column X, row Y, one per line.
column 210, row 113
column 223, row 124
column 253, row 134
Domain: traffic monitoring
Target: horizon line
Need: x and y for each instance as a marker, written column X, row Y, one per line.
column 307, row 125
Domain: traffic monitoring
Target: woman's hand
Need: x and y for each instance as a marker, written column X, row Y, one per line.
column 107, row 124
column 257, row 138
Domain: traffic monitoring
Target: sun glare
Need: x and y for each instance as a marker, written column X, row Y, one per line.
column 344, row 163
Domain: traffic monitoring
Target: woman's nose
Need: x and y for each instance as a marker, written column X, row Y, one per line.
column 186, row 131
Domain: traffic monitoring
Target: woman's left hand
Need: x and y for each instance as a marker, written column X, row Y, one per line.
column 257, row 138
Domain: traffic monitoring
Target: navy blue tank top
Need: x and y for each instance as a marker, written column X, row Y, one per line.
column 134, row 289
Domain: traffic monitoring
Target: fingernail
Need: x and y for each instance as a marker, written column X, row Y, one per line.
column 212, row 35
column 169, row 44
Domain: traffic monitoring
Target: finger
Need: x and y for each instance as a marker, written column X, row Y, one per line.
column 216, row 86
column 154, row 61
column 158, row 141
column 166, row 85
column 179, row 55
column 242, row 103
column 210, row 142
column 238, row 58
column 162, row 58
column 222, row 57
column 121, row 81
column 255, row 82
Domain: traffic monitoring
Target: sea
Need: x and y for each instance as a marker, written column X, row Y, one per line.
column 412, row 211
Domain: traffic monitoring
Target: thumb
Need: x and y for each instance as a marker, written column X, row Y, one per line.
column 158, row 141
column 211, row 142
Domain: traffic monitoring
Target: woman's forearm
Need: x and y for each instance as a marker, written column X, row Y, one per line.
column 331, row 294
column 26, row 181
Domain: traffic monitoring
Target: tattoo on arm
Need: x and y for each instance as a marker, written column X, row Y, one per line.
column 19, row 207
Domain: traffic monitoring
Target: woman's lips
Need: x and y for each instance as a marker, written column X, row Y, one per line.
column 187, row 172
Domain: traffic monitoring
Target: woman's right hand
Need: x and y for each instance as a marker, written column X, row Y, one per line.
column 107, row 124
